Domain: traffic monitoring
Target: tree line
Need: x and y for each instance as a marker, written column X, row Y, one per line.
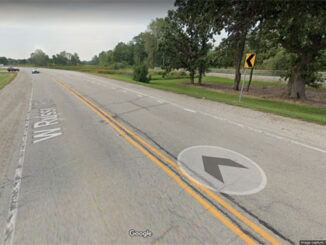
column 286, row 35
column 142, row 49
column 40, row 58
column 296, row 28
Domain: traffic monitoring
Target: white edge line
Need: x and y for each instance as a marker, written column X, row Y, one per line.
column 13, row 208
column 189, row 110
column 266, row 133
column 231, row 122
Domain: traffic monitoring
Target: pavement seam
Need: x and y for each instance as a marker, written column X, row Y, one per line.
column 273, row 135
column 243, row 234
column 112, row 121
column 262, row 222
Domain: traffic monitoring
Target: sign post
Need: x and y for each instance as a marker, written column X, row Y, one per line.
column 249, row 64
column 243, row 82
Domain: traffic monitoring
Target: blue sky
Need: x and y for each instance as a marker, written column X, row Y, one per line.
column 85, row 27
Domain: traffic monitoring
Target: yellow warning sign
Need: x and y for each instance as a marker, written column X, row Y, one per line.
column 250, row 60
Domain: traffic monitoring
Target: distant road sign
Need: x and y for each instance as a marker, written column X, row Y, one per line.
column 250, row 60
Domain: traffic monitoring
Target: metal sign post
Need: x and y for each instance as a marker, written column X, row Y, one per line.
column 244, row 79
column 249, row 64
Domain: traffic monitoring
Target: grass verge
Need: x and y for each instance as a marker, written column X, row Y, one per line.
column 303, row 112
column 176, row 85
column 6, row 78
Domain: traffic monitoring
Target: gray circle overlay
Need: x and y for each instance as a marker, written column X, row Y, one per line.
column 239, row 174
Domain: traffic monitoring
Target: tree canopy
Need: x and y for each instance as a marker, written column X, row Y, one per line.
column 38, row 57
column 287, row 35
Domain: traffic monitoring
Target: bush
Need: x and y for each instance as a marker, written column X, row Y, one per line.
column 183, row 73
column 175, row 75
column 117, row 66
column 141, row 74
column 125, row 71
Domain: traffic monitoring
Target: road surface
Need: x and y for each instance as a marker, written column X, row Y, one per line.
column 85, row 159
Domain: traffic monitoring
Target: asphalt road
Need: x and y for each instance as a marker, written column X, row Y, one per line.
column 86, row 159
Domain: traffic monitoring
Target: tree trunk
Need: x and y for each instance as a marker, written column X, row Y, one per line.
column 202, row 64
column 290, row 84
column 240, row 50
column 250, row 78
column 192, row 77
column 200, row 75
column 296, row 85
column 296, row 88
column 237, row 77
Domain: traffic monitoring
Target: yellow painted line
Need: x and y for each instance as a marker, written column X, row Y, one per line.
column 204, row 203
column 211, row 194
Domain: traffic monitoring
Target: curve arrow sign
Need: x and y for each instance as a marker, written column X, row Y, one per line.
column 249, row 59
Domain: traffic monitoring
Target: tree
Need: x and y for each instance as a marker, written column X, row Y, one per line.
column 224, row 54
column 123, row 53
column 199, row 25
column 39, row 58
column 187, row 35
column 322, row 60
column 301, row 30
column 178, row 45
column 3, row 60
column 102, row 59
column 74, row 59
column 94, row 60
column 152, row 39
column 60, row 59
column 150, row 48
column 139, row 54
column 65, row 58
column 240, row 17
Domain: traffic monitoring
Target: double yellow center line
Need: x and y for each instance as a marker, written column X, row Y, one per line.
column 154, row 155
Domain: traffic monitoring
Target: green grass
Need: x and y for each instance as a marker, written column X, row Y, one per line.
column 93, row 68
column 303, row 112
column 175, row 85
column 6, row 78
column 228, row 81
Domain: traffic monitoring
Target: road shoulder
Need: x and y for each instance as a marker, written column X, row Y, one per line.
column 14, row 102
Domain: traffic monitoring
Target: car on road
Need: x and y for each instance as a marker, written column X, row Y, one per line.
column 12, row 69
column 35, row 70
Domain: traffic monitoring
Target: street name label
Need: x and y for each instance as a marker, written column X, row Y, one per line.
column 250, row 60
column 222, row 170
column 48, row 118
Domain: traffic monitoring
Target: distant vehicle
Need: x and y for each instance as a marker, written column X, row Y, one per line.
column 12, row 69
column 35, row 70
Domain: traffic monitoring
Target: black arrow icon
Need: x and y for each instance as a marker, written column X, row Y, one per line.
column 249, row 59
column 211, row 166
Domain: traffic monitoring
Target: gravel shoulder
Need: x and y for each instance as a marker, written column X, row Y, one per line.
column 14, row 102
